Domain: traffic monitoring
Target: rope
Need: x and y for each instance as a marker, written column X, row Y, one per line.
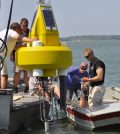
column 55, row 102
column 4, row 46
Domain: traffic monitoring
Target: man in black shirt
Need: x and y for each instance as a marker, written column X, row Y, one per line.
column 96, row 80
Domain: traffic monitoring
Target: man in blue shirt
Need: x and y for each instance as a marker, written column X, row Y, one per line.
column 74, row 79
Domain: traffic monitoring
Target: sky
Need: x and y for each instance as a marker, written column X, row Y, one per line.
column 73, row 17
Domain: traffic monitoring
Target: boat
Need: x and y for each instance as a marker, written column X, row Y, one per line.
column 96, row 117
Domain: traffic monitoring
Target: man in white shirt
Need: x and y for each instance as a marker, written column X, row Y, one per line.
column 12, row 37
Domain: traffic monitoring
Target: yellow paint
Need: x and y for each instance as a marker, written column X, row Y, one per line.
column 48, row 37
column 49, row 57
column 45, row 57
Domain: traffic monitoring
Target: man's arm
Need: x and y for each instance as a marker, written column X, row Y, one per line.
column 21, row 38
column 26, row 39
column 98, row 77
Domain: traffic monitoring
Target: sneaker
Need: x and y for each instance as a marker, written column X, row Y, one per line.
column 26, row 90
column 15, row 90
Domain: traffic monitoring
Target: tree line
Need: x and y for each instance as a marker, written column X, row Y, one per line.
column 91, row 37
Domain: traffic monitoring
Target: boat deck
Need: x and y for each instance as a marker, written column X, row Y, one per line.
column 21, row 100
column 110, row 104
column 98, row 116
column 20, row 109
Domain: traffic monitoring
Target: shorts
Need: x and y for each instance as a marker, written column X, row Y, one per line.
column 71, row 90
column 96, row 94
column 4, row 70
column 81, row 93
column 17, row 69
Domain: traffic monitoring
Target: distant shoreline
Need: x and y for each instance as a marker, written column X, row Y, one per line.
column 91, row 37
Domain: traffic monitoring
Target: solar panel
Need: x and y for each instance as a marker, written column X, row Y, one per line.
column 49, row 19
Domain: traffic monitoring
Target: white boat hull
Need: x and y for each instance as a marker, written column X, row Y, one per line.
column 90, row 121
column 103, row 115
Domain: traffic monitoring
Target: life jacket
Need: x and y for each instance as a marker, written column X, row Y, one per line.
column 92, row 72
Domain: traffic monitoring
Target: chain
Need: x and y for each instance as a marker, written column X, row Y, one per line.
column 55, row 101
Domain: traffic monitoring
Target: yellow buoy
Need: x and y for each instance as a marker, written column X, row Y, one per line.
column 51, row 55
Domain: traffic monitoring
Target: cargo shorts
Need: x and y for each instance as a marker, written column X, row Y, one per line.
column 96, row 94
column 4, row 70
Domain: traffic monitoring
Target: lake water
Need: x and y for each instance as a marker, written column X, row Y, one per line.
column 106, row 50
column 109, row 52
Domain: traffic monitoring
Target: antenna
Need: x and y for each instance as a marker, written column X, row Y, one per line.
column 44, row 2
column 40, row 2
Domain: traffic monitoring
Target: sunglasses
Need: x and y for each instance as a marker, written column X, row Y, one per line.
column 87, row 56
column 82, row 68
